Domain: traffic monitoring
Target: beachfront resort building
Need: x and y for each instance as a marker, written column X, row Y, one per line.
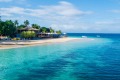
column 48, row 35
column 27, row 29
column 38, row 33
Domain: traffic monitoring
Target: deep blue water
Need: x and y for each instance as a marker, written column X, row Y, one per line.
column 93, row 59
column 93, row 35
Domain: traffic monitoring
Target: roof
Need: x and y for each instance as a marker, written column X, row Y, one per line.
column 47, row 33
column 29, row 28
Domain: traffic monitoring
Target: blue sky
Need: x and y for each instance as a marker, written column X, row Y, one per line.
column 91, row 16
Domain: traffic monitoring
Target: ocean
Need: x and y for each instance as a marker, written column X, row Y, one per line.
column 94, row 35
column 94, row 59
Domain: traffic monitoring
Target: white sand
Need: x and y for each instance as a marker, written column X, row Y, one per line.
column 24, row 43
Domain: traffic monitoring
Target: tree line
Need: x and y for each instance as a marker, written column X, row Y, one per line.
column 9, row 28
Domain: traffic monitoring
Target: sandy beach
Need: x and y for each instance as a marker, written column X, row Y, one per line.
column 25, row 43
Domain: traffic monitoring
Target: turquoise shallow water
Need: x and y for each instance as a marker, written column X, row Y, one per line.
column 97, row 59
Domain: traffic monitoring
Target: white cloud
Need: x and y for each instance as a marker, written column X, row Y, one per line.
column 11, row 11
column 115, row 11
column 6, row 0
column 109, row 22
column 107, row 26
column 62, row 9
column 15, row 1
column 105, row 22
column 64, row 15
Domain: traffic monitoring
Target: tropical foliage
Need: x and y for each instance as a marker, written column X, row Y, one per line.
column 10, row 28
column 26, row 23
column 36, row 26
column 44, row 30
column 16, row 23
column 51, row 30
column 28, row 34
column 21, row 26
column 7, row 28
column 59, row 32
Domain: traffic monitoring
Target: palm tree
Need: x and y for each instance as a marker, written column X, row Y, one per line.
column 51, row 30
column 36, row 26
column 9, row 28
column 0, row 18
column 59, row 32
column 26, row 23
column 16, row 23
column 44, row 29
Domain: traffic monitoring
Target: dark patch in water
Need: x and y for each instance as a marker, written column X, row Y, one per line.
column 71, row 55
column 74, row 55
column 48, row 70
column 97, row 73
column 94, row 77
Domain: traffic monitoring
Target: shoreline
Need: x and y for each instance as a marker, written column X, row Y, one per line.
column 26, row 43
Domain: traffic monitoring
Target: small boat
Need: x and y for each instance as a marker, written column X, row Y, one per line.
column 84, row 36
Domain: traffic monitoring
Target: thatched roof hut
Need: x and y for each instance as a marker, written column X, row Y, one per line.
column 28, row 29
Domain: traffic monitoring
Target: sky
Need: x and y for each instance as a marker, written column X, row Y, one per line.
column 75, row 16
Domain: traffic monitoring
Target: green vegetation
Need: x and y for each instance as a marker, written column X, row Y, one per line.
column 21, row 26
column 28, row 34
column 16, row 23
column 36, row 26
column 7, row 28
column 51, row 30
column 10, row 28
column 44, row 30
column 59, row 32
column 26, row 23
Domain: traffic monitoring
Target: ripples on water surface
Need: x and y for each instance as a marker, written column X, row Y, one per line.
column 97, row 59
